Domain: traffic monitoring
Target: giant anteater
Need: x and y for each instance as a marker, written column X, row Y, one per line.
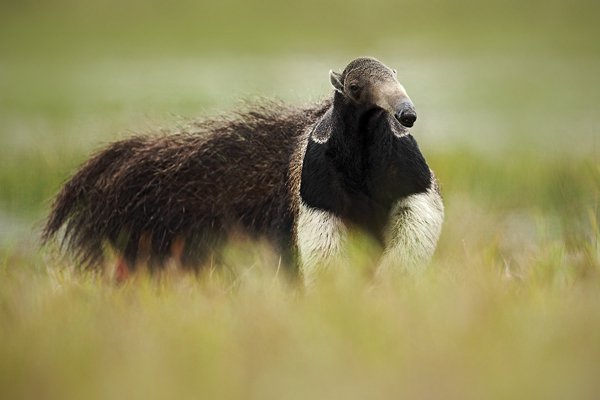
column 300, row 177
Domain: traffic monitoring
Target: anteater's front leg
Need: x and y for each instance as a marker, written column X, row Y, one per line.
column 321, row 237
column 413, row 231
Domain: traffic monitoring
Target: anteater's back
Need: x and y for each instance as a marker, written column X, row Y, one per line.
column 183, row 194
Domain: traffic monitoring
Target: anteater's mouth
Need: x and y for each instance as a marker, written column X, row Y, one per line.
column 398, row 129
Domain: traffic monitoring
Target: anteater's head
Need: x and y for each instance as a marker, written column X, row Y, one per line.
column 369, row 84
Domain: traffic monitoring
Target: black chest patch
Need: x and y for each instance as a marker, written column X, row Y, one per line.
column 360, row 175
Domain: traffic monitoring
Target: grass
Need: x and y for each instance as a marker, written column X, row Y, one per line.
column 472, row 327
column 507, row 96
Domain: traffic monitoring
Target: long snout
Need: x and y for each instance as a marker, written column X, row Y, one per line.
column 406, row 114
column 393, row 98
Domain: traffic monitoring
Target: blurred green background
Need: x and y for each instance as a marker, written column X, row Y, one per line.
column 508, row 96
column 509, row 84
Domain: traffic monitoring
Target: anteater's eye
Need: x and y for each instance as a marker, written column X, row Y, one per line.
column 394, row 71
column 354, row 88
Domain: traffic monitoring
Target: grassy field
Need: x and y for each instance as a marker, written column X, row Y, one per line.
column 507, row 96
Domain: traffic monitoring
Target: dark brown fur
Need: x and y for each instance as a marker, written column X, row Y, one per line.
column 257, row 173
column 149, row 196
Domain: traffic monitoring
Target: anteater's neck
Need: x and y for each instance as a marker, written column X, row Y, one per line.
column 335, row 174
column 349, row 144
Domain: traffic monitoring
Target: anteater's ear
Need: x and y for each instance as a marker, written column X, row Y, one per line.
column 322, row 130
column 336, row 81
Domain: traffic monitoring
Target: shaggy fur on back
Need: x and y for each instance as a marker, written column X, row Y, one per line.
column 152, row 196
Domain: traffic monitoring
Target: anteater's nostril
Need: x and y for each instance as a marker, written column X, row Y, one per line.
column 408, row 118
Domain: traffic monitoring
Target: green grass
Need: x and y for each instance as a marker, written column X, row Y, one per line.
column 507, row 96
